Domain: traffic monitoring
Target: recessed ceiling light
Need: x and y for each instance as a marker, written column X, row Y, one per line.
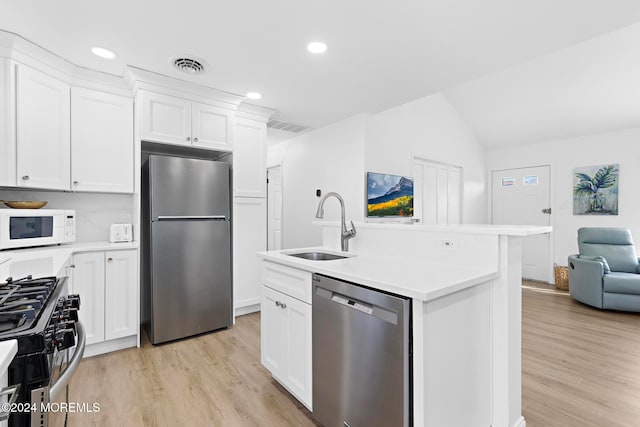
column 253, row 95
column 317, row 47
column 103, row 53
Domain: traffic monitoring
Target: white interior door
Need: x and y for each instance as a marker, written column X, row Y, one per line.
column 438, row 192
column 521, row 197
column 274, row 202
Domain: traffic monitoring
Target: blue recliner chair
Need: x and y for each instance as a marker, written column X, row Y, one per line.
column 606, row 273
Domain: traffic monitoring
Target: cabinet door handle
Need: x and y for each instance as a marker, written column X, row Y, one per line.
column 109, row 259
column 278, row 303
column 72, row 266
column 195, row 139
column 25, row 178
column 75, row 182
column 188, row 138
column 283, row 305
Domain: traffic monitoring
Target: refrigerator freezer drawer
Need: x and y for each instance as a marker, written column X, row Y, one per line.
column 191, row 278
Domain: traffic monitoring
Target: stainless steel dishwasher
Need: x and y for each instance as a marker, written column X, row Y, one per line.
column 361, row 355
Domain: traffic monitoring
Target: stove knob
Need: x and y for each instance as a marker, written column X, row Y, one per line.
column 69, row 314
column 70, row 324
column 65, row 338
column 49, row 342
column 73, row 301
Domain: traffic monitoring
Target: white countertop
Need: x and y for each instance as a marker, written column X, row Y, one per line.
column 507, row 230
column 8, row 350
column 409, row 277
column 48, row 260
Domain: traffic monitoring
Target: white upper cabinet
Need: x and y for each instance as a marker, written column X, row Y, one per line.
column 249, row 159
column 101, row 142
column 7, row 125
column 43, row 130
column 166, row 119
column 172, row 120
column 211, row 127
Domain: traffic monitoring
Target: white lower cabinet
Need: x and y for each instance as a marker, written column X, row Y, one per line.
column 88, row 282
column 121, row 302
column 286, row 342
column 249, row 237
column 107, row 285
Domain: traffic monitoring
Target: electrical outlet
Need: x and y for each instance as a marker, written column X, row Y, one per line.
column 447, row 244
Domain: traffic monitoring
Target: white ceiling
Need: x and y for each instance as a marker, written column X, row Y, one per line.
column 591, row 87
column 381, row 53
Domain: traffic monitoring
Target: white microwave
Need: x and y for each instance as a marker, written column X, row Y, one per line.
column 21, row 228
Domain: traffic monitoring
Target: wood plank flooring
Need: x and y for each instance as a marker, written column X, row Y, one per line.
column 581, row 367
column 209, row 380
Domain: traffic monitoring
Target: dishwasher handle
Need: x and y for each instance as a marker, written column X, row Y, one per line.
column 360, row 306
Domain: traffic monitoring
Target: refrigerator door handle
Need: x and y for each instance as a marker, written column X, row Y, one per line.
column 190, row 217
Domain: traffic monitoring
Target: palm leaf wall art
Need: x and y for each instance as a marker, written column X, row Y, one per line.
column 595, row 190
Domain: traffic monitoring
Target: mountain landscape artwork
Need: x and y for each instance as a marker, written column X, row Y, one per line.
column 389, row 195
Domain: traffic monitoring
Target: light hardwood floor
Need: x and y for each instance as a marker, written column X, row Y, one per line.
column 210, row 380
column 581, row 367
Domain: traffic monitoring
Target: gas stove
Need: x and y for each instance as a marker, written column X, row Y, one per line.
column 38, row 313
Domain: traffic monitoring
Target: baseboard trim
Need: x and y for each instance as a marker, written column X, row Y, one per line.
column 247, row 309
column 111, row 345
column 520, row 422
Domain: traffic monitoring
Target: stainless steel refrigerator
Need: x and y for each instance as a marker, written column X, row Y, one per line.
column 186, row 246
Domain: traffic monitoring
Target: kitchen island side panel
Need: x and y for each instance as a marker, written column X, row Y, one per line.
column 452, row 379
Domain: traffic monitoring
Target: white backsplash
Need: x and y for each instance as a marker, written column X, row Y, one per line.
column 95, row 212
column 456, row 244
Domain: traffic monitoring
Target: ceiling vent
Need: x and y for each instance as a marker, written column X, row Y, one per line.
column 190, row 65
column 289, row 127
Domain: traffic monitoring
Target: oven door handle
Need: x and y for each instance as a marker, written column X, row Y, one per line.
column 64, row 379
column 14, row 391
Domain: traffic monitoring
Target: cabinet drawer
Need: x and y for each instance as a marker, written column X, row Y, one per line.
column 290, row 281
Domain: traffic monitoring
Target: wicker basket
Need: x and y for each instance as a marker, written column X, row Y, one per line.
column 561, row 276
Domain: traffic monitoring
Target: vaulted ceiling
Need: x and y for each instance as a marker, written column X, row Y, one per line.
column 380, row 53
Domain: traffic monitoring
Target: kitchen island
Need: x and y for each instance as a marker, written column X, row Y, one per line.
column 464, row 283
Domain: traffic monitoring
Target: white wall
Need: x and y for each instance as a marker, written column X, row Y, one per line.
column 432, row 129
column 620, row 147
column 94, row 212
column 329, row 159
column 337, row 157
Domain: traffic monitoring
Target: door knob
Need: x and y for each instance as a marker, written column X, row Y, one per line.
column 195, row 139
column 26, row 177
column 188, row 138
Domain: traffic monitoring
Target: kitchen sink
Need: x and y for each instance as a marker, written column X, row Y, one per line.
column 317, row 256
